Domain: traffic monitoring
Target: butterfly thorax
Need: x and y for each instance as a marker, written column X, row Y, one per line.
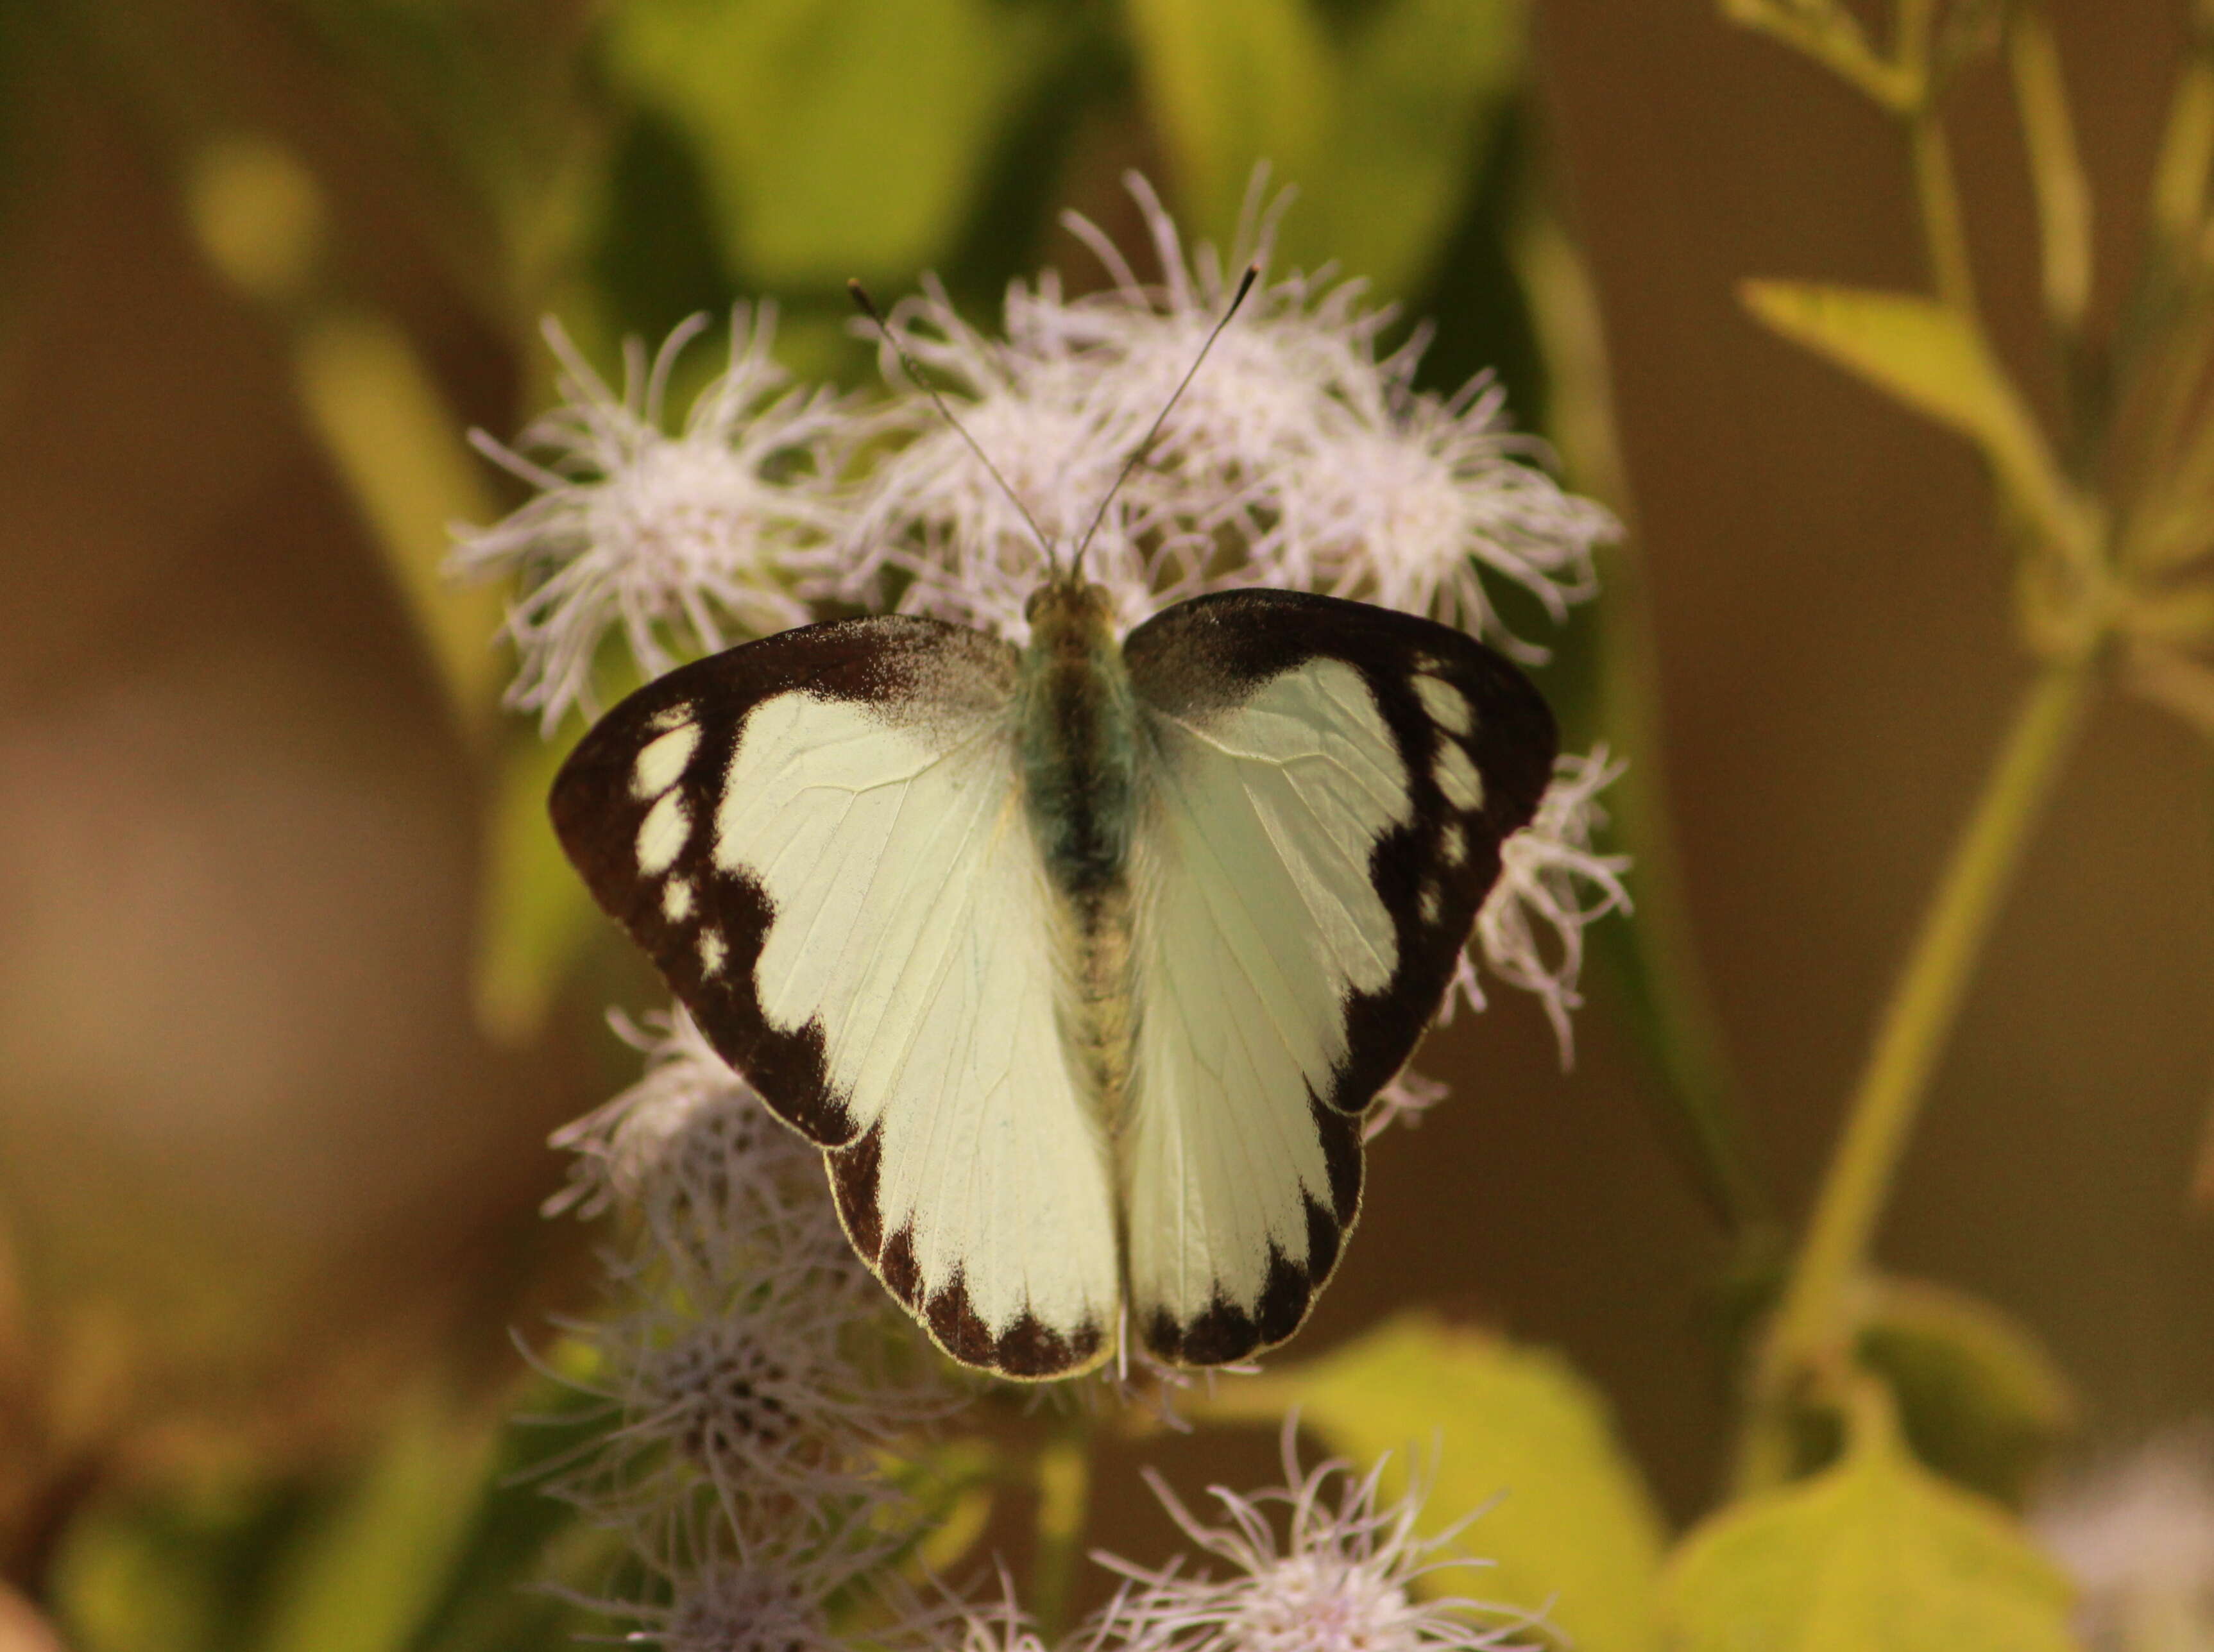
column 1079, row 744
column 1078, row 738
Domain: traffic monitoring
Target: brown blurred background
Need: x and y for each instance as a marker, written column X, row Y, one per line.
column 254, row 1152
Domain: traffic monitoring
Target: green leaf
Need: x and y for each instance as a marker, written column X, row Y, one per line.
column 535, row 915
column 175, row 1569
column 1874, row 1553
column 1978, row 1398
column 1422, row 86
column 1929, row 356
column 837, row 138
column 1232, row 83
column 399, row 448
column 522, row 1538
column 656, row 256
column 365, row 1575
column 1568, row 1518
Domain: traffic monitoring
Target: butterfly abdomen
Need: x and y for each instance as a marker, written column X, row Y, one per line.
column 1079, row 743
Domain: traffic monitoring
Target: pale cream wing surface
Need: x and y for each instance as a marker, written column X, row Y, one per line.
column 1255, row 921
column 912, row 921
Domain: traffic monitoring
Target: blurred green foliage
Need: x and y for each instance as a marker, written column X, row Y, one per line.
column 440, row 1538
column 473, row 166
column 783, row 107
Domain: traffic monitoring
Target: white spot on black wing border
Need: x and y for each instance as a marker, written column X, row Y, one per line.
column 1218, row 650
column 883, row 659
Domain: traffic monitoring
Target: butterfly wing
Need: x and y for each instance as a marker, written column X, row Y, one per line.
column 1326, row 793
column 819, row 838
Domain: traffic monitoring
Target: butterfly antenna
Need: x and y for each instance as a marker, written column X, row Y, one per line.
column 915, row 373
column 1138, row 454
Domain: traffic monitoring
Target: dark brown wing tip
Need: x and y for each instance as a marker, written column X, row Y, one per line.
column 1227, row 1331
column 1027, row 1351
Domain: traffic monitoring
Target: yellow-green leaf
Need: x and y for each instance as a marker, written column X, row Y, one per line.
column 2170, row 677
column 534, row 914
column 1230, row 83
column 1876, row 1552
column 838, row 138
column 1929, row 356
column 1568, row 1518
column 400, row 449
column 1978, row 1398
column 258, row 214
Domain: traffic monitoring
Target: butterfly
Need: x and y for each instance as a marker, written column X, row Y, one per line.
column 1081, row 961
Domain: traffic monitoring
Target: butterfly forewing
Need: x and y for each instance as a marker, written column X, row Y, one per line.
column 820, row 840
column 1326, row 788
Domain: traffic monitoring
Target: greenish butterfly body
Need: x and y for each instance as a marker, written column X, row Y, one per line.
column 1082, row 961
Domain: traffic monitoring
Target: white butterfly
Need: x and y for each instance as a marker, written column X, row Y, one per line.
column 1082, row 961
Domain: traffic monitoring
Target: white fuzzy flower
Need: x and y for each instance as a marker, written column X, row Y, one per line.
column 1341, row 1580
column 691, row 1142
column 935, row 514
column 2137, row 1536
column 1552, row 887
column 1001, row 1626
column 751, row 1362
column 738, row 1609
column 687, row 542
column 775, row 1395
column 1295, row 457
column 1405, row 1098
column 773, row 1600
column 1406, row 510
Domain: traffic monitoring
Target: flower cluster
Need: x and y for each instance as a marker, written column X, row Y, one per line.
column 754, row 1398
column 1298, row 456
column 1342, row 1575
column 757, row 1386
column 753, row 1373
column 1341, row 1581
column 687, row 542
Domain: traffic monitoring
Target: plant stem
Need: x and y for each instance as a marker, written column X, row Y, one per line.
column 1949, row 269
column 1063, row 1473
column 1833, row 39
column 2187, row 156
column 2056, row 171
column 1812, row 1327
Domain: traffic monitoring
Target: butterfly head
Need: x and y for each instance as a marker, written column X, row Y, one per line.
column 1066, row 604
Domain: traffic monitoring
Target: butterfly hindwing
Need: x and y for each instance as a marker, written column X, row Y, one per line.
column 1326, row 788
column 820, row 840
